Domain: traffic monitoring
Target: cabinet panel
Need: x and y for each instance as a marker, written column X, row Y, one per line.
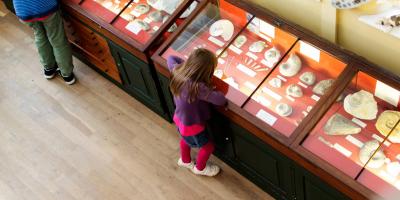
column 93, row 46
column 164, row 82
column 137, row 79
column 221, row 132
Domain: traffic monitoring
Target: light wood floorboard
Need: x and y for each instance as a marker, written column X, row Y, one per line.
column 90, row 140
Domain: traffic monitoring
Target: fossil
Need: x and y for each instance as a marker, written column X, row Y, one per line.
column 143, row 25
column 283, row 109
column 339, row 125
column 308, row 78
column 257, row 47
column 223, row 55
column 272, row 55
column 156, row 16
column 361, row 105
column 386, row 124
column 294, row 90
column 291, row 67
column 239, row 41
column 142, row 8
column 323, row 86
column 223, row 28
column 348, row 4
column 275, row 82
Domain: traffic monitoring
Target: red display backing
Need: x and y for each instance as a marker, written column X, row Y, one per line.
column 96, row 9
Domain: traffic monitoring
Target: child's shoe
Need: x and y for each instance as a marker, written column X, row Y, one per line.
column 50, row 73
column 69, row 80
column 185, row 165
column 209, row 170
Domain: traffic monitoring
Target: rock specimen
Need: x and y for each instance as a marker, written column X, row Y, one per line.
column 291, row 67
column 142, row 8
column 283, row 109
column 308, row 78
column 339, row 125
column 347, row 4
column 361, row 105
column 275, row 82
column 386, row 124
column 294, row 90
column 323, row 86
column 257, row 47
column 366, row 152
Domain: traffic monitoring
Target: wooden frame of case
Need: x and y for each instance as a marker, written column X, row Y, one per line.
column 291, row 146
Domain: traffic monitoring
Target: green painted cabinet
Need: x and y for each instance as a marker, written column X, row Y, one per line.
column 9, row 5
column 137, row 79
column 169, row 101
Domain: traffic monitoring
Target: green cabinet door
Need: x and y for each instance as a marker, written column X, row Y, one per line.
column 265, row 166
column 137, row 79
column 220, row 129
column 9, row 5
column 310, row 187
column 164, row 82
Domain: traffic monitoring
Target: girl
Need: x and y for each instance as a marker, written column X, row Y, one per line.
column 192, row 90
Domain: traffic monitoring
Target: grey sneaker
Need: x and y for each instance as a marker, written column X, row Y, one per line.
column 209, row 170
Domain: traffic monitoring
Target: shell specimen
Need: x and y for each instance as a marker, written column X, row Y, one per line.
column 339, row 125
column 367, row 150
column 142, row 8
column 348, row 4
column 283, row 109
column 223, row 55
column 323, row 86
column 257, row 47
column 143, row 25
column 308, row 78
column 240, row 41
column 275, row 82
column 361, row 105
column 223, row 28
column 272, row 55
column 156, row 16
column 291, row 67
column 386, row 123
column 294, row 90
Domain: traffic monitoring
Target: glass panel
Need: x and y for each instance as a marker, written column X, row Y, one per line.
column 250, row 58
column 141, row 21
column 381, row 173
column 347, row 135
column 73, row 1
column 211, row 29
column 292, row 89
column 105, row 9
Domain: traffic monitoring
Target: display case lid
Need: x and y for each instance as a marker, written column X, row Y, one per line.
column 138, row 22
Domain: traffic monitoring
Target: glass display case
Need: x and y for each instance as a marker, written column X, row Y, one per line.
column 105, row 9
column 293, row 88
column 73, row 1
column 142, row 19
column 357, row 134
column 213, row 28
column 250, row 57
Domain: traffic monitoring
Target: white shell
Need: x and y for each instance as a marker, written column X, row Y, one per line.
column 283, row 109
column 222, row 28
column 340, row 125
column 142, row 8
column 367, row 150
column 275, row 82
column 272, row 55
column 308, row 78
column 291, row 67
column 239, row 41
column 348, row 4
column 323, row 86
column 294, row 90
column 386, row 124
column 257, row 47
column 361, row 105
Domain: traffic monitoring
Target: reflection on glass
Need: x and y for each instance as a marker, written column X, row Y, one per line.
column 350, row 134
column 142, row 19
column 105, row 9
column 211, row 29
column 292, row 89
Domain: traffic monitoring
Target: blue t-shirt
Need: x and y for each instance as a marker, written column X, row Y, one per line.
column 31, row 9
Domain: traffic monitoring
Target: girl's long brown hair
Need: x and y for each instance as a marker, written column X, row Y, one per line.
column 199, row 68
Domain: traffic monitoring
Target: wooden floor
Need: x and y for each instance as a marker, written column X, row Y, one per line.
column 90, row 140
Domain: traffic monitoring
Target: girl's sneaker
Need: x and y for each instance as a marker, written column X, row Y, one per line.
column 185, row 165
column 209, row 170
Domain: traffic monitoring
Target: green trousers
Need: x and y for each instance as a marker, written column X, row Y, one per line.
column 52, row 44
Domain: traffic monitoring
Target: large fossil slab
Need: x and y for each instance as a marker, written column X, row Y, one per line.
column 361, row 105
column 340, row 125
